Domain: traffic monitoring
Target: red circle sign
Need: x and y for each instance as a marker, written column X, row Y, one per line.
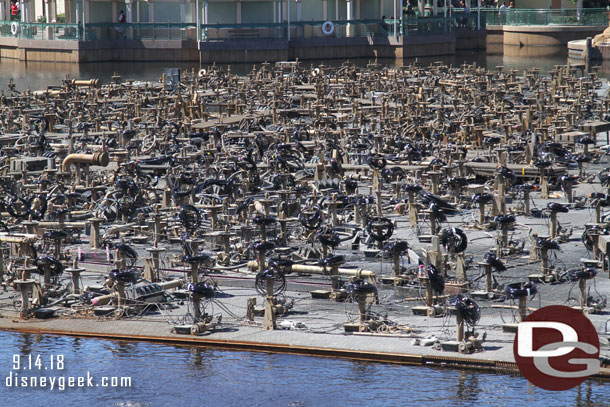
column 556, row 348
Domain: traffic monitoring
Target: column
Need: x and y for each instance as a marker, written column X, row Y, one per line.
column 380, row 8
column 420, row 7
column 182, row 11
column 115, row 17
column 357, row 10
column 50, row 12
column 434, row 8
column 280, row 13
column 115, row 11
column 197, row 22
column 324, row 10
column 349, row 28
column 129, row 18
column 68, row 13
column 238, row 11
column 47, row 12
column 279, row 19
column 205, row 16
column 299, row 13
column 394, row 17
column 128, row 11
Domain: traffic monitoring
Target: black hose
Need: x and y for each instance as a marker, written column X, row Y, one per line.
column 263, row 277
column 454, row 239
column 380, row 228
column 582, row 274
column 518, row 290
column 313, row 220
column 436, row 279
column 467, row 308
column 124, row 276
column 189, row 217
column 201, row 289
column 360, row 287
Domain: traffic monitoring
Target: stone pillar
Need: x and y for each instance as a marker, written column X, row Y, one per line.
column 324, row 10
column 299, row 12
column 350, row 29
column 115, row 11
column 129, row 18
column 128, row 11
column 47, row 5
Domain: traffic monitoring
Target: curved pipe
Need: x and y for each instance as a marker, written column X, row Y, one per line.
column 101, row 159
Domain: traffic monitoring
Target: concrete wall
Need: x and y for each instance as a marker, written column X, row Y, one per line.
column 342, row 48
column 369, row 9
column 101, row 12
column 237, row 51
column 256, row 12
column 470, row 40
column 495, row 34
column 165, row 12
column 547, row 35
column 311, row 10
column 388, row 8
column 540, row 4
column 222, row 13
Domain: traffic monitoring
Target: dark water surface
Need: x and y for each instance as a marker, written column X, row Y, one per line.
column 38, row 75
column 163, row 375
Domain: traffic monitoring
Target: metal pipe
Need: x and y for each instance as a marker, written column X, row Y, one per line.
column 55, row 225
column 86, row 82
column 99, row 158
column 18, row 238
column 304, row 268
column 105, row 299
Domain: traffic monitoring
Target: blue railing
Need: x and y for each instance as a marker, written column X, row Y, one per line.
column 584, row 16
column 40, row 31
column 410, row 26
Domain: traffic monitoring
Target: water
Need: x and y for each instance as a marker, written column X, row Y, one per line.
column 38, row 75
column 163, row 375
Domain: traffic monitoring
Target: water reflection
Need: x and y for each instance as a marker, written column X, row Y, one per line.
column 26, row 342
column 194, row 376
column 467, row 388
column 39, row 75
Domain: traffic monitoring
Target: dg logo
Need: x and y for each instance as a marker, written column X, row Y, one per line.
column 557, row 348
